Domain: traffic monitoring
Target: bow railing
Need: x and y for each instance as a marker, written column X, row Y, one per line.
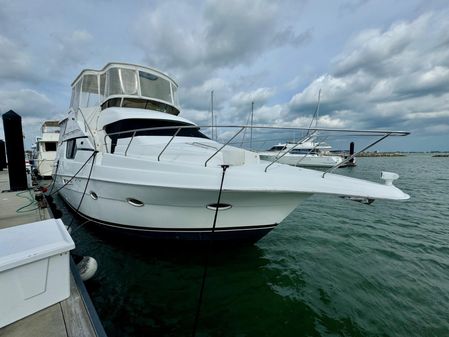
column 315, row 131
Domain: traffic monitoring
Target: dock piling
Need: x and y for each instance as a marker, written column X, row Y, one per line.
column 12, row 125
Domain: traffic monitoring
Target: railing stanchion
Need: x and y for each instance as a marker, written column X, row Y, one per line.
column 126, row 151
column 355, row 154
column 173, row 137
column 241, row 129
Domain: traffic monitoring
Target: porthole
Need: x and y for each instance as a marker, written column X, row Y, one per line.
column 93, row 195
column 220, row 206
column 135, row 202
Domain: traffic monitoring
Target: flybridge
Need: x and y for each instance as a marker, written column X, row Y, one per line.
column 50, row 126
column 125, row 85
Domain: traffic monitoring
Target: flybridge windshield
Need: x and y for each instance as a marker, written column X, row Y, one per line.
column 93, row 88
column 153, row 86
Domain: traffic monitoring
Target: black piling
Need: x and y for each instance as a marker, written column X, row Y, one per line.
column 351, row 152
column 12, row 125
column 2, row 155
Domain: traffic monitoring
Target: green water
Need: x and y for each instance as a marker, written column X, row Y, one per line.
column 333, row 268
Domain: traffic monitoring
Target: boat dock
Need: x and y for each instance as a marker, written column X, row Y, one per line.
column 74, row 316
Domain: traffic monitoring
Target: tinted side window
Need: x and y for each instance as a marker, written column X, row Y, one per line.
column 133, row 124
column 50, row 146
column 70, row 149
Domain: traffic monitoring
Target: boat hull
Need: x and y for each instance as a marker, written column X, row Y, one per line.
column 179, row 213
column 250, row 234
column 45, row 167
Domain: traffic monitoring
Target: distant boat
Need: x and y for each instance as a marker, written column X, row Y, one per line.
column 45, row 151
column 307, row 153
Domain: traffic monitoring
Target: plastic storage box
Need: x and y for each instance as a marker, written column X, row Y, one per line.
column 34, row 268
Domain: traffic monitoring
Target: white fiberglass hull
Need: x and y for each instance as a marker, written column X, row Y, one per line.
column 45, row 167
column 303, row 160
column 178, row 200
column 179, row 212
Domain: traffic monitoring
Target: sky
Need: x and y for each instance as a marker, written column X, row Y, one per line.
column 379, row 64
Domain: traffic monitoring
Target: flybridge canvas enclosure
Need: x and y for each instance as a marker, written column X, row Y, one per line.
column 93, row 88
column 70, row 129
column 34, row 268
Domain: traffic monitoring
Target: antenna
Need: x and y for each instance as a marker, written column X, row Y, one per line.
column 216, row 128
column 251, row 130
column 315, row 114
column 212, row 110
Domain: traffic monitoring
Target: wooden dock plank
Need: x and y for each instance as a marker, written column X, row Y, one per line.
column 45, row 323
column 76, row 318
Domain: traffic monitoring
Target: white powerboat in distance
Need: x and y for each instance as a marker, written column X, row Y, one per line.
column 306, row 153
column 127, row 161
column 45, row 150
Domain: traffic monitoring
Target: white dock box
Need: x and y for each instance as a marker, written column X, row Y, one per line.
column 34, row 268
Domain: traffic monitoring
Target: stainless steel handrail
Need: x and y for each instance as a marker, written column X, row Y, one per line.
column 362, row 132
column 318, row 144
column 355, row 154
column 129, row 143
column 241, row 129
column 383, row 133
column 287, row 152
column 173, row 137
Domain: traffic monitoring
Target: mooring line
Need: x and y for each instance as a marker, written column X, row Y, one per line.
column 206, row 262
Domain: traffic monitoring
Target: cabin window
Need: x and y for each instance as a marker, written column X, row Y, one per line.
column 121, row 82
column 72, row 99
column 128, row 81
column 50, row 146
column 139, row 103
column 175, row 95
column 70, row 149
column 89, row 96
column 76, row 95
column 277, row 148
column 154, row 87
column 112, row 82
column 102, row 86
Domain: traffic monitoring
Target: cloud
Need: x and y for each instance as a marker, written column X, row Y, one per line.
column 15, row 64
column 198, row 97
column 260, row 96
column 393, row 78
column 34, row 107
column 71, row 49
column 352, row 6
column 200, row 39
column 26, row 102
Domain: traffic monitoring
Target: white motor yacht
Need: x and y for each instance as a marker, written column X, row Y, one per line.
column 127, row 161
column 307, row 153
column 45, row 151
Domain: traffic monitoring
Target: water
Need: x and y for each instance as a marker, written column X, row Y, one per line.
column 333, row 268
